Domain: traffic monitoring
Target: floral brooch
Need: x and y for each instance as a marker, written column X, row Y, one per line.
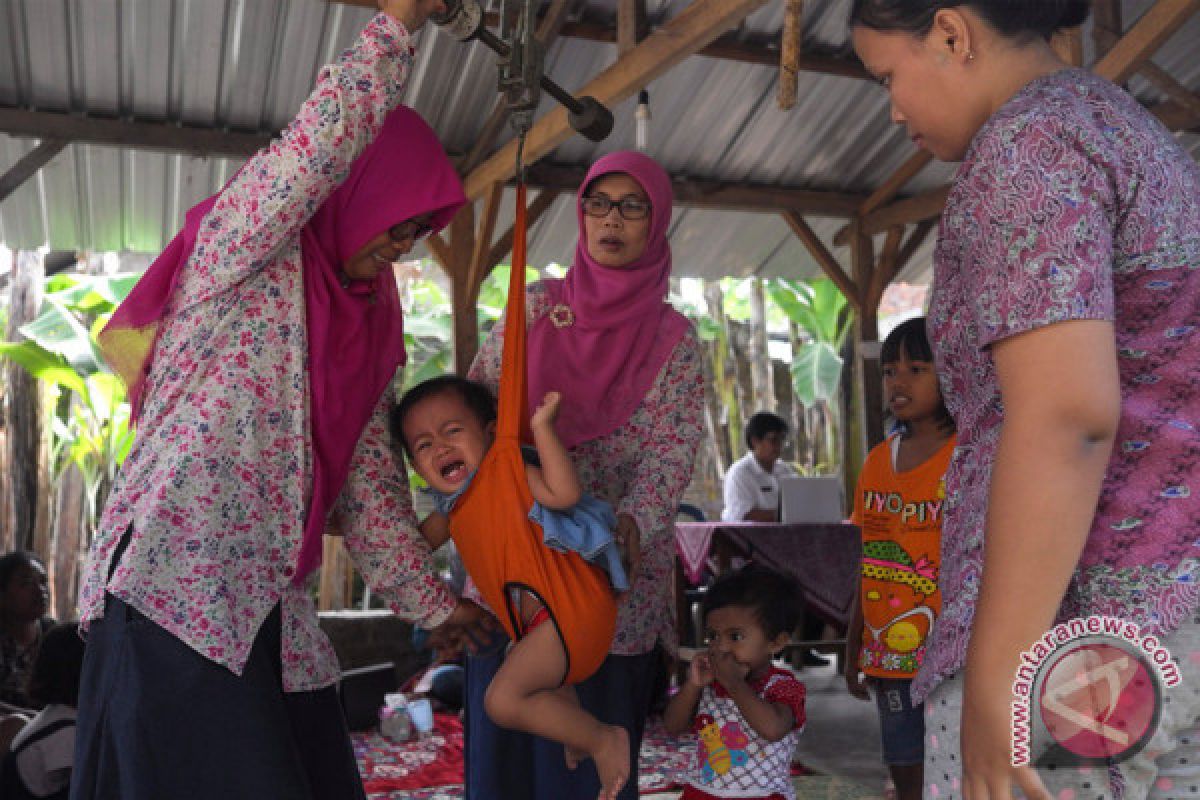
column 562, row 316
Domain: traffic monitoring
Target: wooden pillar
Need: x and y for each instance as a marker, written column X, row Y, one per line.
column 864, row 423
column 24, row 410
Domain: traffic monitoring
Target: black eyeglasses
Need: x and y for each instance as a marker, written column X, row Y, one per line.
column 409, row 231
column 630, row 208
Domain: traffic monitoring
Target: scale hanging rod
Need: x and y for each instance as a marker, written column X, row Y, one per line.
column 464, row 21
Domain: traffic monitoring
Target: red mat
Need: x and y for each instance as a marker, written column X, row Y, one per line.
column 432, row 769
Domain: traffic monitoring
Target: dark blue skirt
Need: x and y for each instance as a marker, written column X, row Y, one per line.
column 507, row 765
column 158, row 721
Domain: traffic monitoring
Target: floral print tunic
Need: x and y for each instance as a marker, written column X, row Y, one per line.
column 216, row 486
column 1074, row 203
column 642, row 468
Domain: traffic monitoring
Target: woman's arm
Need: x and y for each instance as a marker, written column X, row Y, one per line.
column 374, row 513
column 646, row 513
column 280, row 187
column 1061, row 394
column 556, row 483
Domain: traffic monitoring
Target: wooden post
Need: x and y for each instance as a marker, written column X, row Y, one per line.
column 789, row 60
column 760, row 356
column 864, row 426
column 24, row 418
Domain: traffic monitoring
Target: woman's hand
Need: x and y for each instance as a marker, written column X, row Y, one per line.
column 986, row 745
column 629, row 542
column 546, row 412
column 411, row 13
column 469, row 625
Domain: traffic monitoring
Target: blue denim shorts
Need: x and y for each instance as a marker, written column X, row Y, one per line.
column 901, row 726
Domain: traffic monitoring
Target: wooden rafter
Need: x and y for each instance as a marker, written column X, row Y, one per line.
column 763, row 51
column 163, row 136
column 717, row 195
column 631, row 24
column 729, row 48
column 479, row 267
column 829, row 265
column 1144, row 38
column 29, row 164
column 1126, row 55
column 696, row 26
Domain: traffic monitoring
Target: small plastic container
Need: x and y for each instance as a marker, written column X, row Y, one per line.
column 420, row 712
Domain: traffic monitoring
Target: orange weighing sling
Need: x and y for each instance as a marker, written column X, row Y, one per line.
column 500, row 546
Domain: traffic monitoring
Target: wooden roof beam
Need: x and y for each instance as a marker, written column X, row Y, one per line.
column 1144, row 38
column 829, row 265
column 28, row 166
column 1127, row 55
column 728, row 48
column 164, row 136
column 716, row 195
column 692, row 29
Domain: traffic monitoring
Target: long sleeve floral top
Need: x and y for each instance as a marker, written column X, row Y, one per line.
column 642, row 468
column 216, row 486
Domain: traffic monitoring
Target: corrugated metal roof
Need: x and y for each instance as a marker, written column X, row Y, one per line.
column 248, row 65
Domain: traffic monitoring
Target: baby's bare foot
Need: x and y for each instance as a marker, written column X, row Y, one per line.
column 612, row 761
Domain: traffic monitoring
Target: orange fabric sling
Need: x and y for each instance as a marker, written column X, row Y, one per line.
column 501, row 548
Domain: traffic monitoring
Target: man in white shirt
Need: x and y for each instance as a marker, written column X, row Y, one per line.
column 752, row 483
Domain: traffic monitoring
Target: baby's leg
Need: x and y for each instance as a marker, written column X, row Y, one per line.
column 525, row 695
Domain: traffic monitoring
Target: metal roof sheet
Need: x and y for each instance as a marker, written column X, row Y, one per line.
column 248, row 65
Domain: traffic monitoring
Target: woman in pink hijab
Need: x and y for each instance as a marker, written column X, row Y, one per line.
column 628, row 367
column 259, row 349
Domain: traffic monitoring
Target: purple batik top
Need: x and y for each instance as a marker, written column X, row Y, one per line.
column 1074, row 203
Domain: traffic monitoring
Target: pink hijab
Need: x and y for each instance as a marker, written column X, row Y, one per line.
column 355, row 334
column 621, row 329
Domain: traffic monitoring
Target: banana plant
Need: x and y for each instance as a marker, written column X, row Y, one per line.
column 821, row 311
column 90, row 426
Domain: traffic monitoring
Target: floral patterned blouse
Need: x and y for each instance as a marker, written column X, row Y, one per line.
column 642, row 468
column 216, row 486
column 1074, row 203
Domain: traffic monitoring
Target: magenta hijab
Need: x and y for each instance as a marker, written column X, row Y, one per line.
column 609, row 331
column 355, row 334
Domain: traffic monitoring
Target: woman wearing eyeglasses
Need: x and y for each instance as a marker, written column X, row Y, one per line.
column 628, row 367
column 257, row 349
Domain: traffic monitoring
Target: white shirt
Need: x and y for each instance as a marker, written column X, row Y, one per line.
column 45, row 766
column 748, row 487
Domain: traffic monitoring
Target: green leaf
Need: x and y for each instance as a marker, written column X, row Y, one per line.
column 61, row 332
column 43, row 364
column 816, row 373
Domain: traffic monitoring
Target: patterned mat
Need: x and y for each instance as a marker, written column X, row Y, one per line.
column 431, row 769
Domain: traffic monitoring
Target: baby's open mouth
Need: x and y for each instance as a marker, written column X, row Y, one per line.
column 454, row 471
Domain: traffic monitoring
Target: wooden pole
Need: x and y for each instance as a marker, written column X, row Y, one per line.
column 789, row 62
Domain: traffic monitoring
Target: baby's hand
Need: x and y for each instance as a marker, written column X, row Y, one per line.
column 547, row 411
column 727, row 670
column 700, row 672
